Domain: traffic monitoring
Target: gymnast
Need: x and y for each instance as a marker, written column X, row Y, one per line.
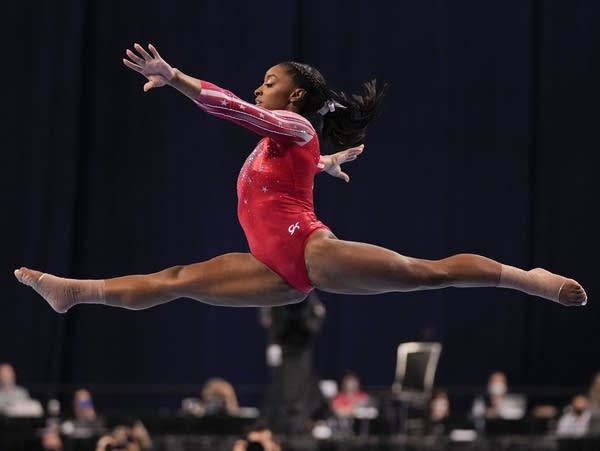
column 291, row 251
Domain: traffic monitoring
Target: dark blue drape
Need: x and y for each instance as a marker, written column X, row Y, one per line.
column 487, row 143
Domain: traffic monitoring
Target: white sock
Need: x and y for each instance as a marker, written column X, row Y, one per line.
column 537, row 282
column 61, row 293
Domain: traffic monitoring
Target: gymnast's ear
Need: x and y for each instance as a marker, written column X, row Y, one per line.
column 297, row 95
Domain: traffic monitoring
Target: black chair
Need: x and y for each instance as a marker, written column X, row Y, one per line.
column 416, row 364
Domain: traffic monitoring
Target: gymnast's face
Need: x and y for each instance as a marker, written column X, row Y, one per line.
column 278, row 91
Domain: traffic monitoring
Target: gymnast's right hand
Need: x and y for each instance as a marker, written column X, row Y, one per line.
column 150, row 65
column 332, row 163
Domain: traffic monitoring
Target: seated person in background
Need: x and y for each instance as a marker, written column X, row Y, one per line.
column 132, row 437
column 85, row 422
column 350, row 396
column 258, row 438
column 439, row 406
column 544, row 412
column 51, row 440
column 575, row 419
column 497, row 403
column 439, row 412
column 11, row 395
column 83, row 406
column 217, row 398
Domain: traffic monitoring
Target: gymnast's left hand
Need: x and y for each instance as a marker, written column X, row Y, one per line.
column 150, row 65
column 332, row 163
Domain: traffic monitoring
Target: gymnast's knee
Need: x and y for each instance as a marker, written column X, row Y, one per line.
column 173, row 273
column 171, row 278
column 430, row 274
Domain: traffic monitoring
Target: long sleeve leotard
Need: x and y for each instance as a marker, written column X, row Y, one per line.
column 275, row 184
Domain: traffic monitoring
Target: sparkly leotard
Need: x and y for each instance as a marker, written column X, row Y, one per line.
column 275, row 185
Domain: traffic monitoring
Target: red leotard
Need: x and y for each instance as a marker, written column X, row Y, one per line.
column 275, row 185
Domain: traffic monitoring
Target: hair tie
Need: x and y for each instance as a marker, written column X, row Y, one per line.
column 329, row 106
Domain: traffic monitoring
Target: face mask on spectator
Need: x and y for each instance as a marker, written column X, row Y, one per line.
column 497, row 389
column 6, row 381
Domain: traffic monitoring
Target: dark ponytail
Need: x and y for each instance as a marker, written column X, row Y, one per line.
column 346, row 125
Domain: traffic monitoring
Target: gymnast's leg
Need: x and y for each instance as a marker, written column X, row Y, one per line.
column 358, row 268
column 235, row 280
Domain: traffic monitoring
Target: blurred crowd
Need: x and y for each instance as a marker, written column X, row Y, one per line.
column 297, row 402
column 81, row 422
column 578, row 418
column 346, row 405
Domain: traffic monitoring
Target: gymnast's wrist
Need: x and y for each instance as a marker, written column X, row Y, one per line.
column 175, row 77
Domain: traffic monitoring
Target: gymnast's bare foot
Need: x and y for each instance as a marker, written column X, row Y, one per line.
column 60, row 293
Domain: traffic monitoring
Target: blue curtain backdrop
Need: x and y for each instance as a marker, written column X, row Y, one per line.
column 488, row 143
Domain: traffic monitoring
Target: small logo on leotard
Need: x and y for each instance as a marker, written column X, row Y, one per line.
column 292, row 228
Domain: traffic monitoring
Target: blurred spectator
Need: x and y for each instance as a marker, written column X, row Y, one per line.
column 350, row 396
column 132, row 437
column 85, row 422
column 439, row 412
column 544, row 412
column 217, row 398
column 497, row 389
column 259, row 438
column 439, row 406
column 10, row 393
column 293, row 402
column 575, row 419
column 15, row 400
column 51, row 440
column 497, row 402
column 83, row 407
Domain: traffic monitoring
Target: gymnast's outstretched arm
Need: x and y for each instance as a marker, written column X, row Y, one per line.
column 160, row 73
column 281, row 126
